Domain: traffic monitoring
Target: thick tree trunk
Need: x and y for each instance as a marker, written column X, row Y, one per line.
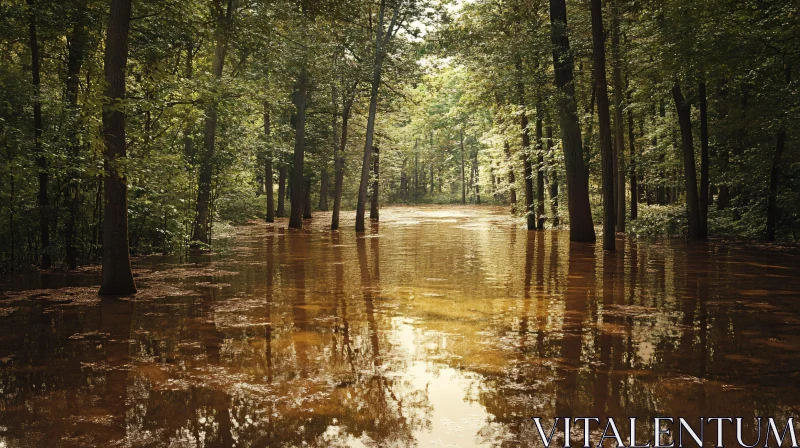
column 619, row 128
column 117, row 275
column 540, row 216
column 581, row 227
column 463, row 184
column 78, row 42
column 202, row 224
column 268, row 180
column 704, row 181
column 299, row 100
column 281, row 211
column 323, row 191
column 373, row 210
column 604, row 119
column 45, row 261
column 690, row 172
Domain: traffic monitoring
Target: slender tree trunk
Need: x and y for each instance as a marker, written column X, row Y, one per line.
column 553, row 180
column 431, row 178
column 41, row 161
column 690, row 173
column 381, row 40
column 299, row 100
column 281, row 211
column 581, row 227
column 117, row 275
column 306, row 189
column 202, row 227
column 704, row 181
column 619, row 128
column 477, row 179
column 463, row 184
column 512, row 181
column 78, row 42
column 634, row 180
column 268, row 178
column 530, row 213
column 373, row 210
column 540, row 216
column 604, row 119
column 339, row 177
column 323, row 191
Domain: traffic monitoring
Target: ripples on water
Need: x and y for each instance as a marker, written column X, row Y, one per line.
column 443, row 327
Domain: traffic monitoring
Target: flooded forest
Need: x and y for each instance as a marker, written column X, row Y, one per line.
column 397, row 223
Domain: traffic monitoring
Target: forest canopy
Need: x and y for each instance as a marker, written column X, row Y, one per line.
column 152, row 125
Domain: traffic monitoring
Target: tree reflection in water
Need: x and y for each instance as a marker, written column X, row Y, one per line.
column 444, row 325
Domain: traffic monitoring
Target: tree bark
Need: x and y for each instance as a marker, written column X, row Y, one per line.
column 45, row 261
column 339, row 158
column 530, row 213
column 306, row 189
column 512, row 180
column 581, row 228
column 202, row 228
column 704, row 181
column 299, row 100
column 634, row 180
column 117, row 275
column 619, row 128
column 268, row 180
column 553, row 180
column 463, row 184
column 604, row 119
column 690, row 172
column 281, row 211
column 373, row 210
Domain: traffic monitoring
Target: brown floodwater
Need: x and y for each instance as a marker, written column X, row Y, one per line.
column 442, row 326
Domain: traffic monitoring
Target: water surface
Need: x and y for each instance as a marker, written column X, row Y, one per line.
column 442, row 326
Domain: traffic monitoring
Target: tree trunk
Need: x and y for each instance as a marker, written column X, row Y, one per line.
column 306, row 189
column 772, row 205
column 553, row 180
column 323, row 191
column 373, row 210
column 619, row 128
column 690, row 173
column 381, row 40
column 604, row 119
column 281, row 211
column 540, row 216
column 476, row 179
column 463, row 184
column 41, row 161
column 634, row 180
column 117, row 275
column 512, row 180
column 78, row 42
column 299, row 100
column 703, row 199
column 268, row 181
column 339, row 176
column 581, row 227
column 202, row 227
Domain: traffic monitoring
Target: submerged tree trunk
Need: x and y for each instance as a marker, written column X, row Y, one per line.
column 281, row 211
column 690, row 173
column 78, row 42
column 704, row 181
column 202, row 221
column 373, row 210
column 619, row 128
column 323, row 191
column 581, row 227
column 117, row 275
column 299, row 100
column 268, row 182
column 603, row 115
column 381, row 40
column 41, row 162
